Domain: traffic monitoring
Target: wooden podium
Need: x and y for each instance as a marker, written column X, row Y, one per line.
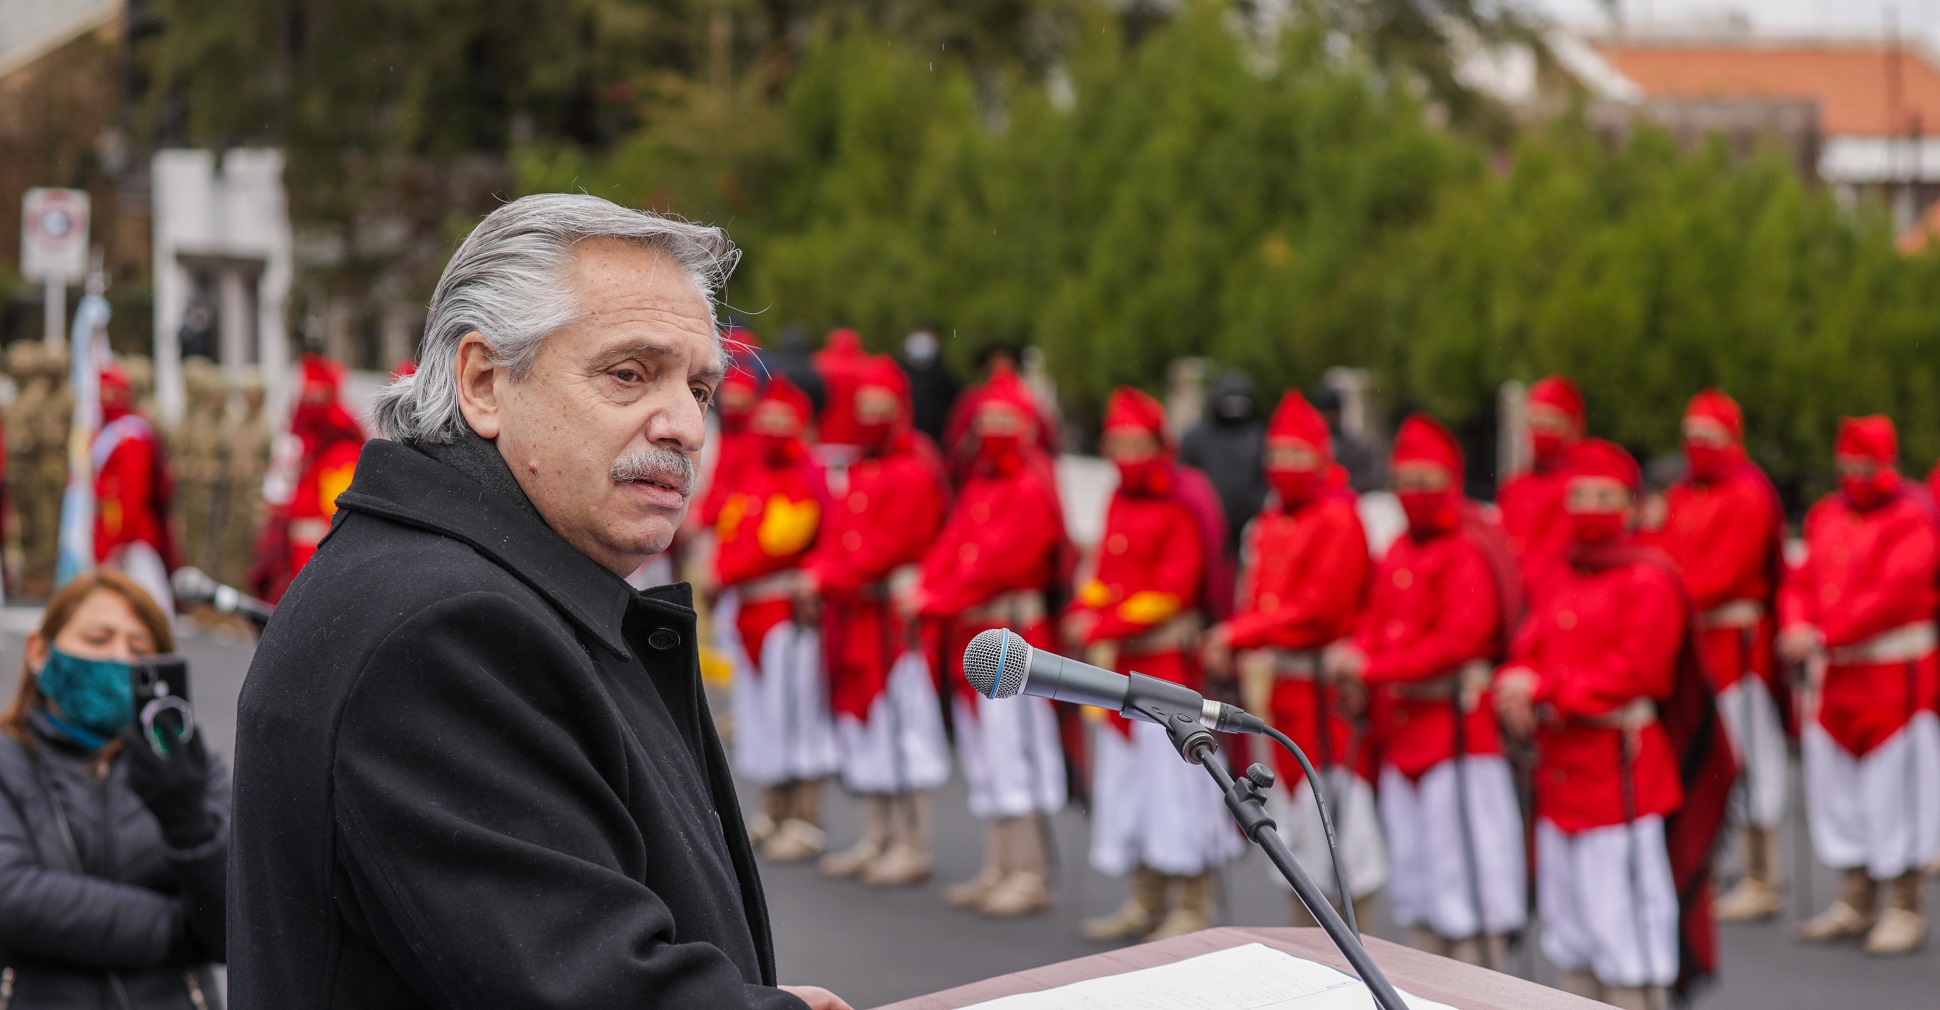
column 1463, row 986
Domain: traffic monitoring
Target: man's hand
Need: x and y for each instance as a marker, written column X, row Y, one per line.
column 817, row 997
column 1515, row 689
column 1343, row 661
column 1797, row 643
column 1216, row 650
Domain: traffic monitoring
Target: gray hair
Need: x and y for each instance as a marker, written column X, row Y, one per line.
column 509, row 282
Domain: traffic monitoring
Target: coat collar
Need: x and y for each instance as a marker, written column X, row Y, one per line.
column 406, row 486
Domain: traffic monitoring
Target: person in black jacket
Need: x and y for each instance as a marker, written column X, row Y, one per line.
column 112, row 856
column 475, row 767
column 1229, row 445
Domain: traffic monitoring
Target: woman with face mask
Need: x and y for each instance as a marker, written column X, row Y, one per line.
column 115, row 855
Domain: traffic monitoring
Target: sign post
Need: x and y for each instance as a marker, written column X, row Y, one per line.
column 54, row 250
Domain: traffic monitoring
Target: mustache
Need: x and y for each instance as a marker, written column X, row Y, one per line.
column 656, row 465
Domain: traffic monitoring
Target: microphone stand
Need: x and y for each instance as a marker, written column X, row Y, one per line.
column 1248, row 805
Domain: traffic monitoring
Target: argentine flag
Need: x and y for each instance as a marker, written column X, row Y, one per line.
column 89, row 350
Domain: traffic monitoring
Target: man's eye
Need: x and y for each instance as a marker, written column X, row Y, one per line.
column 704, row 396
column 628, row 374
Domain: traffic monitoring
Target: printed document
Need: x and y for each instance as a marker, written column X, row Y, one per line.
column 1252, row 977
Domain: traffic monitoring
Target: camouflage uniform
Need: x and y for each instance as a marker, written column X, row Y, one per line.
column 52, row 421
column 196, row 451
column 246, row 439
column 25, row 361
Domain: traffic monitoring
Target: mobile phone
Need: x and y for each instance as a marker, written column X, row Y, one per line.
column 162, row 700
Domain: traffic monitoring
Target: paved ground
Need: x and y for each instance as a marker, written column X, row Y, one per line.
column 879, row 946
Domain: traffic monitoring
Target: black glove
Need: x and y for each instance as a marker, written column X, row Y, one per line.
column 173, row 786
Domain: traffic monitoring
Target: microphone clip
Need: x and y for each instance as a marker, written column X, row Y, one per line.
column 1158, row 701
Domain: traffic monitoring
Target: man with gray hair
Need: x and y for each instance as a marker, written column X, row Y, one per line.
column 474, row 767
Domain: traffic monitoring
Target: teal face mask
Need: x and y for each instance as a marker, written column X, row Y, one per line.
column 95, row 694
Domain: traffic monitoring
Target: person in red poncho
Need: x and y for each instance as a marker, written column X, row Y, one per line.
column 959, row 442
column 840, row 363
column 1631, row 779
column 131, row 492
column 885, row 509
column 1152, row 815
column 1306, row 570
column 1859, row 611
column 990, row 567
column 1725, row 530
column 784, row 739
column 309, row 468
column 1444, row 599
column 1532, row 501
column 735, row 447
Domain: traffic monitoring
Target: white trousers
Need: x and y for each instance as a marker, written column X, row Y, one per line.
column 901, row 746
column 1150, row 807
column 1608, row 902
column 1357, row 829
column 1011, row 756
column 1752, row 722
column 1431, row 883
column 1881, row 811
column 782, row 728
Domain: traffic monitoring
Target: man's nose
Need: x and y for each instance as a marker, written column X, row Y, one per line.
column 680, row 424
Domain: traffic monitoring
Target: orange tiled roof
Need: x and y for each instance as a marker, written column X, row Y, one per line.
column 1852, row 83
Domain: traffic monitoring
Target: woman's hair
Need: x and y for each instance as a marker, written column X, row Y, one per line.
column 60, row 610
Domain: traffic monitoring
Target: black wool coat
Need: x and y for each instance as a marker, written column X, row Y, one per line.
column 474, row 769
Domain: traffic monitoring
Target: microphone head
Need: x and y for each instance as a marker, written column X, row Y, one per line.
column 996, row 661
column 193, row 584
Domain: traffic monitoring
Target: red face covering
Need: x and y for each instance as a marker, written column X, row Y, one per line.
column 1869, row 492
column 1430, row 511
column 1295, row 487
column 1709, row 462
column 1147, row 476
column 1130, row 411
column 1548, row 447
column 1596, row 527
column 1872, row 438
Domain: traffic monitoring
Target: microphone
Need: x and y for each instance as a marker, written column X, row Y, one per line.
column 999, row 664
column 193, row 585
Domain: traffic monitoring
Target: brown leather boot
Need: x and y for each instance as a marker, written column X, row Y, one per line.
column 1025, row 889
column 996, row 863
column 1849, row 917
column 1490, row 951
column 1196, row 909
column 1423, row 938
column 875, row 839
column 1581, row 983
column 1627, row 997
column 774, row 810
column 1756, row 897
column 1144, row 904
column 1901, row 929
column 906, row 860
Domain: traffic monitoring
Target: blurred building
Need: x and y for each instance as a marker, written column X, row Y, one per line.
column 67, row 78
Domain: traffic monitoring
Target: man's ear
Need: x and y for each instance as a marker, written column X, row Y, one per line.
column 478, row 385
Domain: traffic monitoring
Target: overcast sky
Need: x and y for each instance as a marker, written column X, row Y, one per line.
column 1917, row 18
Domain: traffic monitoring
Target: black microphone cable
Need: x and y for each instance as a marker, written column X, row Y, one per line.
column 1326, row 821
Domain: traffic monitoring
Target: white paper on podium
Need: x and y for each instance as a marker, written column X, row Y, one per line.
column 1252, row 977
